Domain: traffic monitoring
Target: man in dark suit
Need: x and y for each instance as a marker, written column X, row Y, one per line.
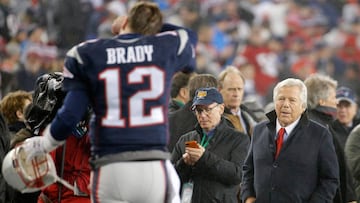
column 322, row 109
column 232, row 87
column 291, row 158
column 6, row 193
column 184, row 120
column 213, row 164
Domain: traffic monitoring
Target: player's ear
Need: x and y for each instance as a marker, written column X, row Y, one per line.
column 124, row 23
column 119, row 24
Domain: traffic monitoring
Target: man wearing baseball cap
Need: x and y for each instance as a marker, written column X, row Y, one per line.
column 210, row 169
column 207, row 96
column 347, row 109
column 345, row 94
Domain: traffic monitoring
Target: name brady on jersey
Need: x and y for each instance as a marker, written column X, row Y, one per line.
column 131, row 54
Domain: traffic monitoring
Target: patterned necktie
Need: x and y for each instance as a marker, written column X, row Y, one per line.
column 279, row 141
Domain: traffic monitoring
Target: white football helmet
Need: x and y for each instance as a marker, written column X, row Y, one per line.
column 30, row 176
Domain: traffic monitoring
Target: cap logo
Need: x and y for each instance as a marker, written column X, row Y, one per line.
column 201, row 94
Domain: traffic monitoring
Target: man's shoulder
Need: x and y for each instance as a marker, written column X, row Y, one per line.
column 353, row 139
column 226, row 127
column 262, row 124
column 253, row 110
column 231, row 135
column 93, row 42
column 237, row 135
column 316, row 125
column 189, row 136
column 182, row 112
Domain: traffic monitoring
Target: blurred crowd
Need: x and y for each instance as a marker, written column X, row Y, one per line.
column 268, row 40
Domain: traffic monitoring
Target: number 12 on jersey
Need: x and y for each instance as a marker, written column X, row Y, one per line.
column 136, row 105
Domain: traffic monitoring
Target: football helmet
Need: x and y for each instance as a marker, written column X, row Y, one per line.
column 28, row 176
column 47, row 99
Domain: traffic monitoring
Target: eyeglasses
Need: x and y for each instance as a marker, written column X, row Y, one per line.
column 207, row 111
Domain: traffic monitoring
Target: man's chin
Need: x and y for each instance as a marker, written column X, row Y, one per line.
column 233, row 107
column 204, row 126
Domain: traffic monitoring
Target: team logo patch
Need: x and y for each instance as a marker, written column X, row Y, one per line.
column 201, row 94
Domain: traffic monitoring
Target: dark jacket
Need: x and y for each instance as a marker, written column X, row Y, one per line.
column 174, row 105
column 306, row 169
column 343, row 132
column 323, row 115
column 19, row 197
column 346, row 191
column 6, row 193
column 180, row 122
column 217, row 174
column 14, row 128
column 352, row 152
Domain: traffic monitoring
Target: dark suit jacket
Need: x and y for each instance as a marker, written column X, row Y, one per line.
column 346, row 190
column 217, row 174
column 306, row 169
column 180, row 122
column 5, row 190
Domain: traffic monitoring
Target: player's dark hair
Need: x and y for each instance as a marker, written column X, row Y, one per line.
column 145, row 18
column 201, row 80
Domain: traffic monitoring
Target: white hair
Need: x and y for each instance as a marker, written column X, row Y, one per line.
column 290, row 82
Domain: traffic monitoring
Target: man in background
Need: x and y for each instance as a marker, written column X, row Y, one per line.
column 179, row 91
column 184, row 120
column 346, row 117
column 213, row 165
column 322, row 108
column 231, row 85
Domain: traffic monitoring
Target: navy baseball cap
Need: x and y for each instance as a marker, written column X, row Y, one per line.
column 345, row 94
column 207, row 96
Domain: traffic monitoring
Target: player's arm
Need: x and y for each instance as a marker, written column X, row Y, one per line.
column 75, row 106
column 193, row 38
column 76, row 101
column 186, row 55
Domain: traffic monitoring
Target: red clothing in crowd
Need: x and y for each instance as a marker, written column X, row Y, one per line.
column 266, row 70
column 76, row 168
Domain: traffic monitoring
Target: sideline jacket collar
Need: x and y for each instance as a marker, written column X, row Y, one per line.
column 304, row 120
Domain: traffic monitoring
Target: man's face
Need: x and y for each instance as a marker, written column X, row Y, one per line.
column 288, row 105
column 346, row 112
column 209, row 116
column 232, row 91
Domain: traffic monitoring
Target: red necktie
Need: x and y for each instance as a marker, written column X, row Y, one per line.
column 279, row 141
